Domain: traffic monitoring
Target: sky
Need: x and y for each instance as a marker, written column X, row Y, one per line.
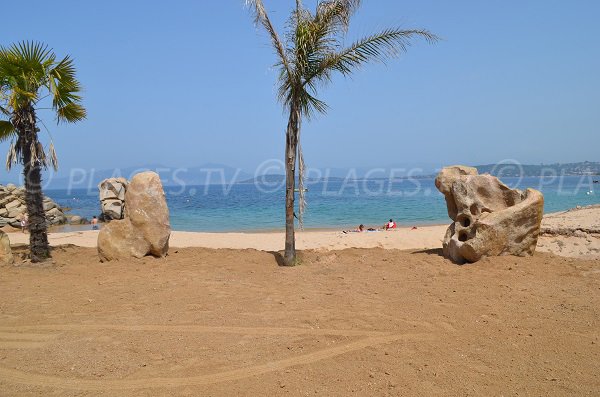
column 184, row 83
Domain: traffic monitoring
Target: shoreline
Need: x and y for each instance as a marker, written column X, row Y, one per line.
column 402, row 238
column 571, row 233
column 82, row 228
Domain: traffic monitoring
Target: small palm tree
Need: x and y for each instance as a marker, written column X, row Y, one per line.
column 311, row 53
column 29, row 73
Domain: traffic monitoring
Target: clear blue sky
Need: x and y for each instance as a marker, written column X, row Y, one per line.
column 183, row 83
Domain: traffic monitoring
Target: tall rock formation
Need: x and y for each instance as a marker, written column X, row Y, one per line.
column 490, row 219
column 146, row 229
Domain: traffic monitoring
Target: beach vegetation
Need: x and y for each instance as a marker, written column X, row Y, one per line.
column 309, row 54
column 33, row 78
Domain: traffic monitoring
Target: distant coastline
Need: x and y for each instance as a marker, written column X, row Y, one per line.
column 222, row 174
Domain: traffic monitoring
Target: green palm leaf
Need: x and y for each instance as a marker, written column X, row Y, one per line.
column 7, row 130
column 375, row 48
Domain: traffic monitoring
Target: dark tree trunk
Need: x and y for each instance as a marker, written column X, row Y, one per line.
column 291, row 149
column 25, row 124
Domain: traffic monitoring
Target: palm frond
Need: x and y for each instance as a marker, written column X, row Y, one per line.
column 310, row 105
column 336, row 13
column 11, row 156
column 7, row 130
column 65, row 88
column 71, row 113
column 33, row 151
column 301, row 179
column 28, row 67
column 375, row 48
column 4, row 111
column 261, row 17
column 53, row 156
column 40, row 154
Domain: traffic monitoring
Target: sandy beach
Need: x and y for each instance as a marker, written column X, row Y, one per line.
column 365, row 314
column 574, row 233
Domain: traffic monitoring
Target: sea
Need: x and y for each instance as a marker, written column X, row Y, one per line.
column 331, row 204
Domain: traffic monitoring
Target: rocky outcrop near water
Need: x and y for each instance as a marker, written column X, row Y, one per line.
column 112, row 198
column 13, row 207
column 490, row 219
column 145, row 230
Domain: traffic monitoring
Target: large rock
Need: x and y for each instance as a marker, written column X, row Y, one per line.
column 147, row 209
column 13, row 207
column 6, row 256
column 56, row 217
column 113, row 209
column 76, row 220
column 146, row 229
column 112, row 198
column 120, row 240
column 490, row 219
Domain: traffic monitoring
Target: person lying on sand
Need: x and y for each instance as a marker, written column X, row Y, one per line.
column 359, row 229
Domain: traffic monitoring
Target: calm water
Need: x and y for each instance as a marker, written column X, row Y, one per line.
column 333, row 204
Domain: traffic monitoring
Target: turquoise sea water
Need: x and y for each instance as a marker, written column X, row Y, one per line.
column 333, row 204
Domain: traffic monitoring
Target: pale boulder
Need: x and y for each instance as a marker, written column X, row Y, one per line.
column 145, row 230
column 446, row 179
column 13, row 204
column 6, row 256
column 76, row 220
column 119, row 240
column 148, row 212
column 490, row 219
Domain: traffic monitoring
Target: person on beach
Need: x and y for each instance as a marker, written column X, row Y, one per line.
column 390, row 225
column 24, row 222
column 359, row 229
column 94, row 223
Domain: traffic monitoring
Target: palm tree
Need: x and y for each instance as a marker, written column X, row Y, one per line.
column 29, row 73
column 311, row 53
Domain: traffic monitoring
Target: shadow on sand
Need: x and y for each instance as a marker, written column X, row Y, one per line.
column 434, row 251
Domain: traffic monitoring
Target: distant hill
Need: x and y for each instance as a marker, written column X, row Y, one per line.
column 221, row 174
column 205, row 174
column 516, row 170
column 276, row 178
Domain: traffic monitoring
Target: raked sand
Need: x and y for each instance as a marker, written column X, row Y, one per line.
column 350, row 322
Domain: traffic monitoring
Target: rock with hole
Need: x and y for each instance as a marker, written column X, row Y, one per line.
column 490, row 218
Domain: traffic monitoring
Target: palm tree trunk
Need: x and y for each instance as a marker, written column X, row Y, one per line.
column 25, row 124
column 291, row 148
